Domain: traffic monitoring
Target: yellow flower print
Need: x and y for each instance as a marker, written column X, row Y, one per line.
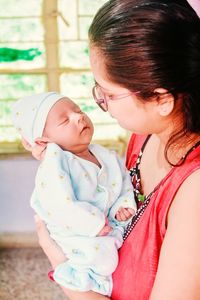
column 99, row 190
column 75, row 251
column 43, row 184
column 97, row 247
column 68, row 199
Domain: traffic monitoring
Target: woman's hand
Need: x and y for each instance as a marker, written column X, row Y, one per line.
column 106, row 229
column 26, row 145
column 56, row 256
column 38, row 150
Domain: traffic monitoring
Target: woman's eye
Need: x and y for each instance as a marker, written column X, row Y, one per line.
column 110, row 97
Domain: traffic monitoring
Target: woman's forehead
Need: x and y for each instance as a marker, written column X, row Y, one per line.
column 101, row 77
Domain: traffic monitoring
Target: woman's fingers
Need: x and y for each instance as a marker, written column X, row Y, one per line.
column 105, row 230
column 26, row 145
column 38, row 151
column 39, row 148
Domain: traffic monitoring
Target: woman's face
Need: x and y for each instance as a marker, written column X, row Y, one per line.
column 131, row 113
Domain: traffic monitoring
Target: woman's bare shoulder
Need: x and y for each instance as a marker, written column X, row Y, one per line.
column 188, row 194
column 178, row 275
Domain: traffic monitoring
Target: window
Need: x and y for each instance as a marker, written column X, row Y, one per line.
column 44, row 47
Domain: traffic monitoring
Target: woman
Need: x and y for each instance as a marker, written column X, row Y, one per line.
column 145, row 57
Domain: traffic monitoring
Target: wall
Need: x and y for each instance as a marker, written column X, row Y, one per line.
column 16, row 184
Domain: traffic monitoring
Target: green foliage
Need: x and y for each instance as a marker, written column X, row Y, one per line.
column 11, row 54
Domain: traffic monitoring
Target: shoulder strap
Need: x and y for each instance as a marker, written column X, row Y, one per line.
column 135, row 144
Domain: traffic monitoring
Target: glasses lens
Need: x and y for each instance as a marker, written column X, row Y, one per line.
column 100, row 98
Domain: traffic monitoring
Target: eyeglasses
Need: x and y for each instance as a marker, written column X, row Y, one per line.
column 102, row 99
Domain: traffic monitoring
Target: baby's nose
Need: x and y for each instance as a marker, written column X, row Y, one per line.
column 79, row 117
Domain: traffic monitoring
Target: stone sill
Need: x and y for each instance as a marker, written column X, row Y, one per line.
column 18, row 240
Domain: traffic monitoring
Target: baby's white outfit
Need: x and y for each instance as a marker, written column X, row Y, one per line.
column 74, row 197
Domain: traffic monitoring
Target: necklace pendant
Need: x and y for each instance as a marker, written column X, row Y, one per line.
column 141, row 197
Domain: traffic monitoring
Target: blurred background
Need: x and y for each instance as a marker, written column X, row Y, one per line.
column 43, row 47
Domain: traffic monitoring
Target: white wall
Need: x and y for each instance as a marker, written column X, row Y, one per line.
column 16, row 184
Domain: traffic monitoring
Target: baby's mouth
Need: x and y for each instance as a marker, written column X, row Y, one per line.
column 84, row 128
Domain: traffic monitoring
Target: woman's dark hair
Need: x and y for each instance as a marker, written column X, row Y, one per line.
column 150, row 44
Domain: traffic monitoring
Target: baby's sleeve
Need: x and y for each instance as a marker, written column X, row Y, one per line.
column 54, row 189
column 126, row 198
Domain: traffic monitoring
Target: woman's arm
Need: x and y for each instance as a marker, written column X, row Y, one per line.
column 56, row 256
column 178, row 275
column 50, row 248
column 83, row 295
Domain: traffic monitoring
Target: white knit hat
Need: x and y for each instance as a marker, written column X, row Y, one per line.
column 29, row 114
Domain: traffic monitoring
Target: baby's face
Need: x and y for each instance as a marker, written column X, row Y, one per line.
column 68, row 126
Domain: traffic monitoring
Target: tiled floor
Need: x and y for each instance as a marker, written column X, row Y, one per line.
column 23, row 276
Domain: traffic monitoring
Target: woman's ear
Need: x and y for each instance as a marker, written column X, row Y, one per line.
column 165, row 102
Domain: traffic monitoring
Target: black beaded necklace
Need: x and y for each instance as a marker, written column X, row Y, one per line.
column 144, row 200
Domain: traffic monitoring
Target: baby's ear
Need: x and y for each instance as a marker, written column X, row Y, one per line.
column 42, row 141
column 26, row 145
column 38, row 150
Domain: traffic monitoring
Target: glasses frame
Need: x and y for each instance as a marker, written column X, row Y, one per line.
column 104, row 101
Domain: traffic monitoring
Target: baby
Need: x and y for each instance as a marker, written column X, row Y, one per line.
column 82, row 191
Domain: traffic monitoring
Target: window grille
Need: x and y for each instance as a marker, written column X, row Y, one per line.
column 44, row 47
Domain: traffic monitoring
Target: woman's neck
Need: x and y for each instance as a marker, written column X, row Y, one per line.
column 179, row 148
column 173, row 137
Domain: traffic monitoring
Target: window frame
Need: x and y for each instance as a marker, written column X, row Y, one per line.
column 53, row 71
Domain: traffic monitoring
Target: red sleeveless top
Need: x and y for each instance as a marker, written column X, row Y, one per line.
column 139, row 255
